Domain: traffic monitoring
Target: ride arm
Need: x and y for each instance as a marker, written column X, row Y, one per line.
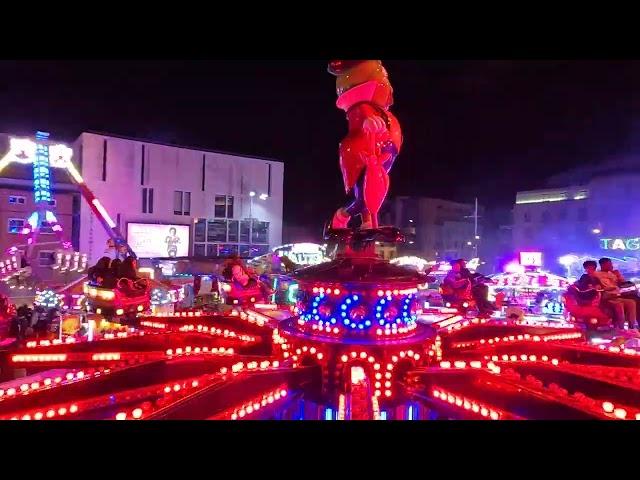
column 98, row 209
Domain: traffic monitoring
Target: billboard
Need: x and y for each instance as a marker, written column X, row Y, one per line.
column 154, row 240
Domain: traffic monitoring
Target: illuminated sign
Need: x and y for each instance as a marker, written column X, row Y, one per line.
column 620, row 243
column 531, row 259
column 153, row 240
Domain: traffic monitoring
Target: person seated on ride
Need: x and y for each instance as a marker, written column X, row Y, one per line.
column 241, row 278
column 128, row 280
column 97, row 273
column 623, row 308
column 583, row 298
column 480, row 290
column 112, row 274
column 455, row 287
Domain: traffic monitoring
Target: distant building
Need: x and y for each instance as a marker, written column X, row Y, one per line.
column 168, row 201
column 230, row 204
column 595, row 217
column 435, row 229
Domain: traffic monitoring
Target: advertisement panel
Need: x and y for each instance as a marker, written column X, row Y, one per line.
column 155, row 240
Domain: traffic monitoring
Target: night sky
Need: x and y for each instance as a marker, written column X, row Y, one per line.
column 485, row 128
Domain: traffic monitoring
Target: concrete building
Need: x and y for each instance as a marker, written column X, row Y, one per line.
column 166, row 200
column 435, row 229
column 594, row 217
column 231, row 204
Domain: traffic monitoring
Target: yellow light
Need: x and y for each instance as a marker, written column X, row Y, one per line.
column 74, row 173
column 119, row 311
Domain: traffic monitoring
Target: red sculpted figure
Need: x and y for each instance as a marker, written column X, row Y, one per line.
column 374, row 139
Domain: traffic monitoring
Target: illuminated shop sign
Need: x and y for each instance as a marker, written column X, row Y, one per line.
column 620, row 243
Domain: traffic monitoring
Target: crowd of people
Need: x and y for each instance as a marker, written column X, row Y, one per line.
column 603, row 288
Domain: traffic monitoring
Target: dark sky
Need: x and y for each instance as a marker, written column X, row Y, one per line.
column 486, row 128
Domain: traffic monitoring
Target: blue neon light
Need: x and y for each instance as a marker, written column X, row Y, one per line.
column 383, row 415
column 410, row 412
column 328, row 414
column 41, row 173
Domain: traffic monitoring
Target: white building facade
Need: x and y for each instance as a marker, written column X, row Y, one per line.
column 171, row 201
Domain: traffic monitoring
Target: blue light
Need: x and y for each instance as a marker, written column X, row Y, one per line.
column 343, row 307
column 317, row 317
column 360, row 326
column 368, row 323
column 314, row 311
column 353, row 325
column 404, row 314
column 378, row 308
column 346, row 322
column 344, row 314
column 383, row 415
column 333, row 320
column 410, row 413
column 355, row 297
column 381, row 322
column 378, row 315
column 348, row 301
column 382, row 302
column 328, row 414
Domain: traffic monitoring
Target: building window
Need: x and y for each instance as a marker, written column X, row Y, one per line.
column 52, row 203
column 17, row 200
column 260, row 232
column 181, row 203
column 199, row 249
column 147, row 200
column 104, row 161
column 232, row 235
column 46, row 258
column 46, row 228
column 224, row 238
column 217, row 231
column 527, row 217
column 223, row 207
column 15, row 225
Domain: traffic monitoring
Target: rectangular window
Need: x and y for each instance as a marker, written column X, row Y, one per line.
column 46, row 228
column 186, row 203
column 151, row 200
column 223, row 206
column 203, row 170
column 144, row 200
column 220, row 207
column 46, row 258
column 181, row 203
column 177, row 203
column 233, row 231
column 52, row 203
column 227, row 250
column 229, row 206
column 245, row 230
column 104, row 161
column 212, row 250
column 200, row 231
column 199, row 249
column 269, row 180
column 245, row 250
column 17, row 200
column 142, row 168
column 15, row 225
column 260, row 232
column 217, row 231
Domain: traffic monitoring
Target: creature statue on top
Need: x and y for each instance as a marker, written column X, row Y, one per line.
column 373, row 142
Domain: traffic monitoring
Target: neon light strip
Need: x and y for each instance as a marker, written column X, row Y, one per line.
column 484, row 410
column 96, row 203
column 254, row 405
